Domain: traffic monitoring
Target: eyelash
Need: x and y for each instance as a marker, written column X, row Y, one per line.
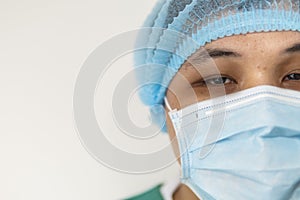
column 217, row 81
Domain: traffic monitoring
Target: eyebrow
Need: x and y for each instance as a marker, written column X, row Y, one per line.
column 294, row 49
column 205, row 54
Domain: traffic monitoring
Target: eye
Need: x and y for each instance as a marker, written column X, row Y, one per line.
column 219, row 80
column 292, row 77
column 215, row 81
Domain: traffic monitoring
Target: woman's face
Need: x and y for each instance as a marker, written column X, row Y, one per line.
column 243, row 61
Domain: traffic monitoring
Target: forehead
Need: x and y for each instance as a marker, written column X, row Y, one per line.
column 263, row 41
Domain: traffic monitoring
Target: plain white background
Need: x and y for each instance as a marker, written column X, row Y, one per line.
column 43, row 45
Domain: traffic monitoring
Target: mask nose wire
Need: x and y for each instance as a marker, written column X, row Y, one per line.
column 167, row 104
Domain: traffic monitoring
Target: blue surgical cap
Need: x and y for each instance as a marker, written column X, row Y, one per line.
column 180, row 27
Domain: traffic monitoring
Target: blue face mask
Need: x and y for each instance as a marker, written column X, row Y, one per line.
column 244, row 145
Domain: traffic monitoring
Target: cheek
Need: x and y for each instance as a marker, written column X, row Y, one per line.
column 205, row 93
column 181, row 94
column 292, row 85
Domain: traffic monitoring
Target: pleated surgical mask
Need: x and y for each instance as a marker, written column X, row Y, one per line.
column 244, row 145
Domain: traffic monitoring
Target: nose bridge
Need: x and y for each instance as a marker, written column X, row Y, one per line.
column 261, row 75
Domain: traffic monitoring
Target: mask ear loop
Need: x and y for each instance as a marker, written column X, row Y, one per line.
column 167, row 104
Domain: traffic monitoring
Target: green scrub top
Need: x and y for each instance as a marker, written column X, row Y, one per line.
column 152, row 194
